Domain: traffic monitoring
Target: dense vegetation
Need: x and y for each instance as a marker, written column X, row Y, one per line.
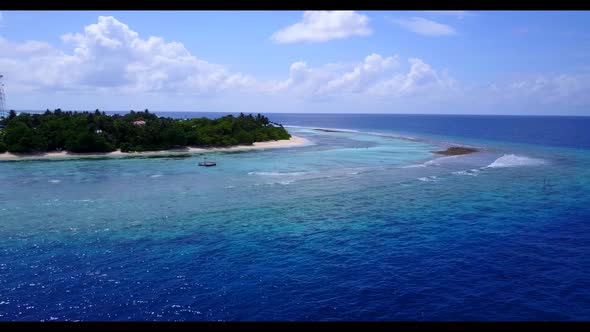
column 134, row 131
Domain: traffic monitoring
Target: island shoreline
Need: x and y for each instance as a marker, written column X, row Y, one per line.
column 294, row 141
column 456, row 151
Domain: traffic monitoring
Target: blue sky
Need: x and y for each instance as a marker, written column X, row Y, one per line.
column 482, row 62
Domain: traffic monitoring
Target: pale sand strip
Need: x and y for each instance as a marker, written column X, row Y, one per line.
column 295, row 141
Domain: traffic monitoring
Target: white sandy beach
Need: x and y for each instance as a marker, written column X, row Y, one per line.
column 294, row 141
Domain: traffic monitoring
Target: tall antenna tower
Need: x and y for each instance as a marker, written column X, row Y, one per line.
column 2, row 99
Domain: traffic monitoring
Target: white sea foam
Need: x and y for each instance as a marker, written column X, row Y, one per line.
column 54, row 181
column 277, row 173
column 511, row 160
column 433, row 162
column 413, row 166
column 353, row 131
column 472, row 172
column 438, row 160
column 395, row 136
column 287, row 182
column 338, row 130
column 379, row 134
column 155, row 176
column 431, row 178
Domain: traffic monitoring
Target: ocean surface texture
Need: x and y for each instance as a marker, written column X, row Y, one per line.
column 365, row 224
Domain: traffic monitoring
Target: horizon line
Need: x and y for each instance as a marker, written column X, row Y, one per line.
column 319, row 113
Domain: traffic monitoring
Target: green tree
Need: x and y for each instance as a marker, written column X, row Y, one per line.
column 98, row 132
column 175, row 136
column 87, row 142
column 18, row 137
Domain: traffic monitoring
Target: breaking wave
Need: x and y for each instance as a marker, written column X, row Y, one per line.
column 511, row 160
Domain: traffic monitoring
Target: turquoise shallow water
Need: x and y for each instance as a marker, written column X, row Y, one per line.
column 357, row 226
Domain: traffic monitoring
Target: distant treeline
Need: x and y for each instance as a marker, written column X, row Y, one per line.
column 134, row 131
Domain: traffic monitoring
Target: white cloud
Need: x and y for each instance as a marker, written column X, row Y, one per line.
column 109, row 57
column 551, row 88
column 33, row 63
column 362, row 75
column 374, row 76
column 420, row 79
column 335, row 79
column 425, row 27
column 321, row 26
column 111, row 66
column 109, row 54
column 531, row 94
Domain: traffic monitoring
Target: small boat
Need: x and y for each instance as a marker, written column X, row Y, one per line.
column 207, row 163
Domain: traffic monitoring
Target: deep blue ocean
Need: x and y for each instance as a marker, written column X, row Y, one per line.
column 363, row 224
